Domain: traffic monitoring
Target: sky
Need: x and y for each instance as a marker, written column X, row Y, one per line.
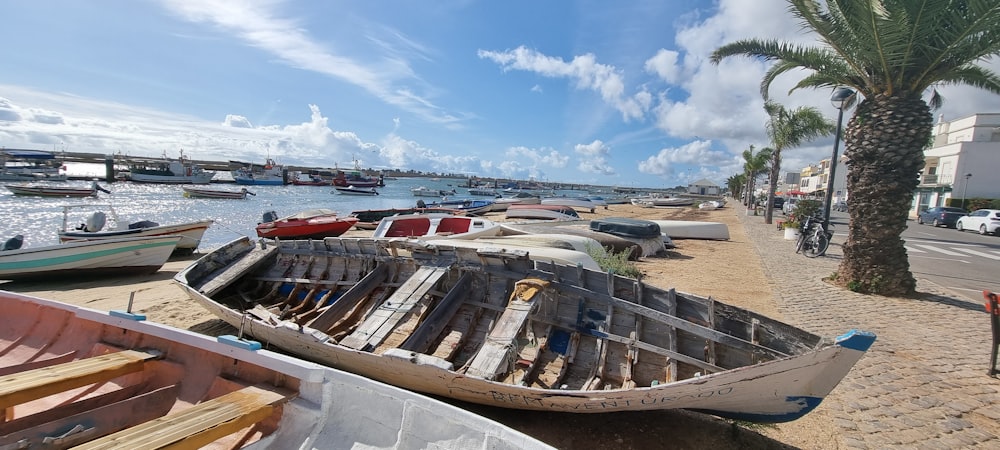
column 610, row 93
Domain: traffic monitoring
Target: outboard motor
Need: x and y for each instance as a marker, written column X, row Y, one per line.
column 269, row 216
column 13, row 243
column 95, row 222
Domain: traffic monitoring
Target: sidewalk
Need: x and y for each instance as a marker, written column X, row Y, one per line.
column 923, row 384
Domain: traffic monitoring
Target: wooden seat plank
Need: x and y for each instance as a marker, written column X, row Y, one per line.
column 199, row 425
column 23, row 387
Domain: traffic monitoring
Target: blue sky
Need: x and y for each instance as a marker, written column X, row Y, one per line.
column 613, row 93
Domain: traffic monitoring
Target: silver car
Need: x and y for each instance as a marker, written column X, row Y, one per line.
column 985, row 221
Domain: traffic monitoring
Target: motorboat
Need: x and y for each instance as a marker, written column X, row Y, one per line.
column 354, row 190
column 270, row 173
column 197, row 192
column 165, row 170
column 105, row 257
column 424, row 191
column 49, row 190
column 104, row 223
column 309, row 224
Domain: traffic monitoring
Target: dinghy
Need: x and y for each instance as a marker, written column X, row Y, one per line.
column 502, row 329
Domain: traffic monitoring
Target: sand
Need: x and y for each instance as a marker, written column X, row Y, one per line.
column 730, row 271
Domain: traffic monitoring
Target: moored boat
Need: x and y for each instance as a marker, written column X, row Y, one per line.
column 498, row 328
column 93, row 228
column 269, row 174
column 165, row 170
column 435, row 224
column 48, row 190
column 424, row 191
column 195, row 192
column 30, row 165
column 354, row 190
column 128, row 255
column 311, row 223
column 74, row 376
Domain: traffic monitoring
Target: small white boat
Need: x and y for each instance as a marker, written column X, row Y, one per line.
column 483, row 191
column 692, row 229
column 502, row 203
column 542, row 212
column 351, row 190
column 436, row 224
column 47, row 190
column 535, row 250
column 554, row 240
column 579, row 203
column 128, row 255
column 196, row 192
column 424, row 191
column 75, row 376
column 93, row 228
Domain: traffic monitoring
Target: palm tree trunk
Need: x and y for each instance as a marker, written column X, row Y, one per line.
column 884, row 159
column 772, row 184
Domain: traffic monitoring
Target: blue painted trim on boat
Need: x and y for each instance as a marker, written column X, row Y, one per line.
column 127, row 315
column 806, row 404
column 856, row 340
column 234, row 341
column 45, row 262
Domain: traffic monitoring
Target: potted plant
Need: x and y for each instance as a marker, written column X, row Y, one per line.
column 791, row 227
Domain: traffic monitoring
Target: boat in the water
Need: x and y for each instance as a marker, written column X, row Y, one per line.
column 309, row 224
column 49, row 190
column 484, row 191
column 424, row 191
column 357, row 178
column 82, row 378
column 269, row 174
column 165, row 170
column 30, row 165
column 104, row 223
column 435, row 224
column 354, row 190
column 502, row 329
column 127, row 255
column 197, row 192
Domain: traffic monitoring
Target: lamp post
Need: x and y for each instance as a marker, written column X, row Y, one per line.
column 965, row 188
column 840, row 98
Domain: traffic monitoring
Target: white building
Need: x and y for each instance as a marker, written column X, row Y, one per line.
column 704, row 187
column 962, row 162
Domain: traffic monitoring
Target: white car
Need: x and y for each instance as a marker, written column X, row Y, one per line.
column 982, row 220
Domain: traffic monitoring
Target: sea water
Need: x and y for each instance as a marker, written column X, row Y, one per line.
column 40, row 218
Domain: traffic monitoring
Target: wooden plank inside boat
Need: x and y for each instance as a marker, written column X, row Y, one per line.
column 38, row 383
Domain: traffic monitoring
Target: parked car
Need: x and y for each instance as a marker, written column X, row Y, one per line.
column 982, row 220
column 941, row 215
column 779, row 202
column 840, row 206
column 789, row 205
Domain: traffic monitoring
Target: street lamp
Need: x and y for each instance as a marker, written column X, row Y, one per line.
column 965, row 188
column 841, row 97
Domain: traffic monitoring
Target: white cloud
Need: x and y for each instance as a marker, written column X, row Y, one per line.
column 236, row 121
column 665, row 162
column 594, row 158
column 583, row 69
column 8, row 112
column 664, row 65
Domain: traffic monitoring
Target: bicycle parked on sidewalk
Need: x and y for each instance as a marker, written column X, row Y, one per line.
column 814, row 237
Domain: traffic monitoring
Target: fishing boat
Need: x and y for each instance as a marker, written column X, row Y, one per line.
column 502, row 329
column 354, row 190
column 424, row 191
column 104, row 223
column 165, row 170
column 30, row 165
column 311, row 223
column 82, row 378
column 268, row 174
column 369, row 219
column 196, row 192
column 436, row 224
column 48, row 190
column 128, row 255
column 357, row 178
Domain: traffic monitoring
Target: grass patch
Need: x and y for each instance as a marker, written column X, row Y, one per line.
column 616, row 263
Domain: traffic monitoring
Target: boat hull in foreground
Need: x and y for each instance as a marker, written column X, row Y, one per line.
column 501, row 329
column 153, row 386
column 131, row 255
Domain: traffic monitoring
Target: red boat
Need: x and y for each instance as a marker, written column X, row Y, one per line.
column 311, row 223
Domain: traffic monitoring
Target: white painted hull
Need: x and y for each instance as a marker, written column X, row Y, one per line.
column 104, row 257
column 576, row 203
column 538, row 214
column 329, row 408
column 190, row 234
column 691, row 229
column 430, row 225
column 681, row 339
column 535, row 249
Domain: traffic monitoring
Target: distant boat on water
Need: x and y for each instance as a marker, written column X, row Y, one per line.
column 165, row 170
column 269, row 174
column 30, row 165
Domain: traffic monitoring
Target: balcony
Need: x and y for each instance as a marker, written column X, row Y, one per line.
column 929, row 179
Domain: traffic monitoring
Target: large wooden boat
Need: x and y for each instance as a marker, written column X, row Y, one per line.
column 129, row 255
column 88, row 379
column 93, row 228
column 499, row 328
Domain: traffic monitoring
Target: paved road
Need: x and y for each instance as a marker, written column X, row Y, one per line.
column 923, row 384
column 964, row 262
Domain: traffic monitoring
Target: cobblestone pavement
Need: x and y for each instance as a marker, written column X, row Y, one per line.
column 923, row 384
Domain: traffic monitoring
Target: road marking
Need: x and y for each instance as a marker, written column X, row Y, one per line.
column 943, row 259
column 983, row 254
column 942, row 251
column 910, row 249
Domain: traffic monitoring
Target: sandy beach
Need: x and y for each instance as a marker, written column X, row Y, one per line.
column 730, row 271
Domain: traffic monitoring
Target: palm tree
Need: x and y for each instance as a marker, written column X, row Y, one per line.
column 787, row 129
column 891, row 52
column 735, row 185
column 754, row 164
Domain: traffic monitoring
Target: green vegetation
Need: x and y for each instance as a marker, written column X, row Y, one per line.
column 616, row 263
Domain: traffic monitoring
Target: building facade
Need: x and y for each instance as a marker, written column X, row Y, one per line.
column 962, row 162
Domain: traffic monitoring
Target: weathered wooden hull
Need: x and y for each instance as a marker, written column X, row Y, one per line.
column 501, row 329
column 186, row 374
